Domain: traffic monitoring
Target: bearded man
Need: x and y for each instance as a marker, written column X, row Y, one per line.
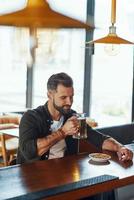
column 47, row 131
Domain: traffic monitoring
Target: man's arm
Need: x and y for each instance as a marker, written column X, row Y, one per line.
column 105, row 142
column 44, row 144
column 123, row 153
column 69, row 128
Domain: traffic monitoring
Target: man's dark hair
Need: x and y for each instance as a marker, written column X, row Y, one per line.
column 60, row 78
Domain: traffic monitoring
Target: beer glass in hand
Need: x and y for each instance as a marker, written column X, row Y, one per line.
column 82, row 134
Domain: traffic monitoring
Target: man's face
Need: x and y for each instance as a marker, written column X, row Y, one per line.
column 62, row 98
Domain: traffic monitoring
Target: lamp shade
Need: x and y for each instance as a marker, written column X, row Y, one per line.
column 38, row 13
column 110, row 39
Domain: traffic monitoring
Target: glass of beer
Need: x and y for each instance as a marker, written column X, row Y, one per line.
column 82, row 134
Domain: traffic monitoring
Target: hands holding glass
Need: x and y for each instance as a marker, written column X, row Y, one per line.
column 77, row 125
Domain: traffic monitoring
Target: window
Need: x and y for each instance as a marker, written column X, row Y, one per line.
column 12, row 70
column 112, row 78
column 61, row 50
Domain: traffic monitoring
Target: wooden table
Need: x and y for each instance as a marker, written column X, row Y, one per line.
column 30, row 181
column 12, row 131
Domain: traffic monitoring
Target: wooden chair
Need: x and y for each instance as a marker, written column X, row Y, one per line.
column 8, row 148
column 8, row 144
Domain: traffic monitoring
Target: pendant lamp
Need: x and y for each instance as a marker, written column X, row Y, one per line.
column 112, row 37
column 38, row 13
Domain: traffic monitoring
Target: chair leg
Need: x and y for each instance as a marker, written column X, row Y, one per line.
column 4, row 153
column 11, row 157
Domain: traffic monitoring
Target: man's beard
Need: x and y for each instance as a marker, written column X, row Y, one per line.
column 61, row 109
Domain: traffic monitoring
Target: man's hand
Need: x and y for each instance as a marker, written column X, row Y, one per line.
column 71, row 127
column 124, row 154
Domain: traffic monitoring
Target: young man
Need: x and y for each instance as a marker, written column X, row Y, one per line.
column 46, row 132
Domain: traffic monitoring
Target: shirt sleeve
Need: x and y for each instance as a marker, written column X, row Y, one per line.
column 95, row 137
column 28, row 134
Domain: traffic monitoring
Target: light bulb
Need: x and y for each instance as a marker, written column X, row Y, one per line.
column 112, row 49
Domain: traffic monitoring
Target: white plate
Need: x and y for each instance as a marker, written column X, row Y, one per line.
column 99, row 157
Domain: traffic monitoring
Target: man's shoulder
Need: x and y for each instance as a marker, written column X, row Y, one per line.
column 36, row 112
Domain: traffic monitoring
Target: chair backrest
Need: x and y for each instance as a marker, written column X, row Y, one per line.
column 122, row 133
column 5, row 119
